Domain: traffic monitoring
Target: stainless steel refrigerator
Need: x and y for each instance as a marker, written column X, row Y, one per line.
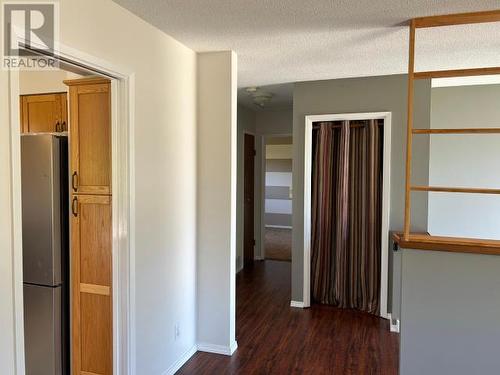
column 44, row 171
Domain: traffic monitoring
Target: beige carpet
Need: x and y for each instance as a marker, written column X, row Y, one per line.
column 278, row 244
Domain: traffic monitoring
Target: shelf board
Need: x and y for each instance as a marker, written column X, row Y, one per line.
column 457, row 73
column 458, row 131
column 457, row 19
column 448, row 244
column 444, row 189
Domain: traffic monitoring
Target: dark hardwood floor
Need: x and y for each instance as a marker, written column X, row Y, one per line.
column 274, row 338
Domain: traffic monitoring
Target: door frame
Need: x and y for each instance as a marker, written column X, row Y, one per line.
column 386, row 199
column 262, row 224
column 123, row 204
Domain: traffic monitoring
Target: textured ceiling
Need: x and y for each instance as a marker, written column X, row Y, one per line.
column 281, row 41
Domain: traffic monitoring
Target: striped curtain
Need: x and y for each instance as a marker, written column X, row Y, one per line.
column 347, row 214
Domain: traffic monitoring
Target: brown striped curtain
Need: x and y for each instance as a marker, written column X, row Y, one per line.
column 347, row 214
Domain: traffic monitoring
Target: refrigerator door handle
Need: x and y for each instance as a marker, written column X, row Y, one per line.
column 74, row 181
column 74, row 206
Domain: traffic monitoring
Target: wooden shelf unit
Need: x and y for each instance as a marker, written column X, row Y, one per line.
column 407, row 239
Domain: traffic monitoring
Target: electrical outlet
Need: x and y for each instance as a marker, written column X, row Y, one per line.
column 177, row 331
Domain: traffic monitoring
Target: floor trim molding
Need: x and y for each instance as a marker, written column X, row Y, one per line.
column 298, row 304
column 217, row 349
column 181, row 361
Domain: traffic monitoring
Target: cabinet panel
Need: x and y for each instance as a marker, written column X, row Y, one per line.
column 43, row 113
column 90, row 130
column 91, row 284
column 96, row 334
column 94, row 221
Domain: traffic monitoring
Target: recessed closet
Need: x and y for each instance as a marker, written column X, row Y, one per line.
column 346, row 213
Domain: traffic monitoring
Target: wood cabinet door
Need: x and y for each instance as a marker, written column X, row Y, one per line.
column 90, row 135
column 44, row 113
column 91, row 285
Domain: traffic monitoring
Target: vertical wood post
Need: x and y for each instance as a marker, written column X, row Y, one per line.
column 409, row 130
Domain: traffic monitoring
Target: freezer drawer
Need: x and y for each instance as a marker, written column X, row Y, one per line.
column 42, row 330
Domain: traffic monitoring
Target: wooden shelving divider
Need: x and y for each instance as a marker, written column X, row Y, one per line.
column 426, row 241
column 458, row 131
column 455, row 189
column 457, row 73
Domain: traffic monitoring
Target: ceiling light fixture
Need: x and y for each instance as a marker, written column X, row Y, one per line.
column 260, row 98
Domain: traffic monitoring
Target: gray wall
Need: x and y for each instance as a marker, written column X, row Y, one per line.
column 274, row 121
column 246, row 123
column 371, row 94
column 450, row 316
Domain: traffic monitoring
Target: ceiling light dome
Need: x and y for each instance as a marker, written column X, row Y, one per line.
column 260, row 98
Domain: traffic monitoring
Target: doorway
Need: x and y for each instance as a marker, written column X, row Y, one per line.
column 385, row 117
column 248, row 196
column 277, row 224
column 121, row 227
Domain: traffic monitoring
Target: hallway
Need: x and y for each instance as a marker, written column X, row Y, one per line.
column 274, row 338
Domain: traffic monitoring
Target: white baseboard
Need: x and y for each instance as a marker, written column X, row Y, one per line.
column 217, row 349
column 278, row 226
column 181, row 361
column 258, row 257
column 201, row 347
column 299, row 304
column 394, row 326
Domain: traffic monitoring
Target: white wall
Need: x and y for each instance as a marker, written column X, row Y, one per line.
column 165, row 178
column 217, row 134
column 41, row 82
column 465, row 161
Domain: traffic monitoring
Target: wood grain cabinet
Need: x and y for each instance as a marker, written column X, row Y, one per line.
column 44, row 113
column 91, row 286
column 91, row 227
column 90, row 102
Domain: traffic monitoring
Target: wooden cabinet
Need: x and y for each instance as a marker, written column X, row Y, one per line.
column 90, row 136
column 44, row 113
column 91, row 227
column 91, row 287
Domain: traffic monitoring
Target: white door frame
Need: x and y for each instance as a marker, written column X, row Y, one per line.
column 123, row 207
column 386, row 197
column 262, row 213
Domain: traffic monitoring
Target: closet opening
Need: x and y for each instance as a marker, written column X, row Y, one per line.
column 346, row 211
